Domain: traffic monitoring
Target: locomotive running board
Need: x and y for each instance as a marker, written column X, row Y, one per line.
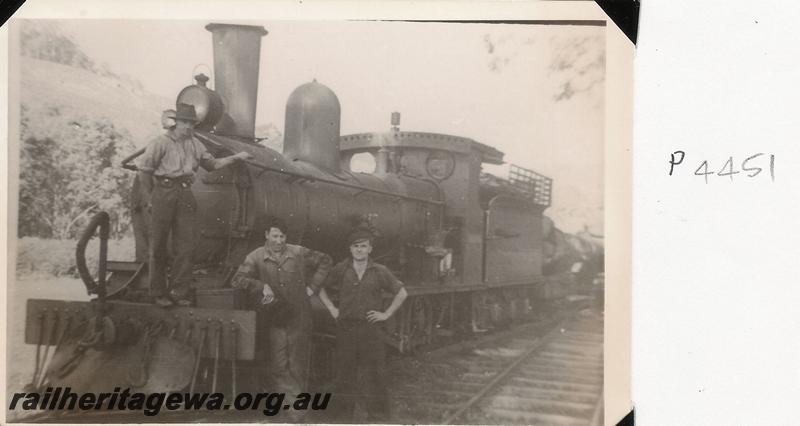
column 122, row 275
column 195, row 323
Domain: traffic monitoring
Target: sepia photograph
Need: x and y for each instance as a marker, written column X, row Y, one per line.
column 307, row 221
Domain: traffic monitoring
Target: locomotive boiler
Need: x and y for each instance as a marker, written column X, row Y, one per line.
column 468, row 245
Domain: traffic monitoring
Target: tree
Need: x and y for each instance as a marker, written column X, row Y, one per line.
column 577, row 58
column 70, row 169
column 579, row 62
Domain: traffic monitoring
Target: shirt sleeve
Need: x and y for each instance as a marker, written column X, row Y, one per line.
column 246, row 276
column 333, row 278
column 389, row 282
column 321, row 263
column 204, row 158
column 152, row 156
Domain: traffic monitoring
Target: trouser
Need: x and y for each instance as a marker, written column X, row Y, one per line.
column 174, row 210
column 358, row 345
column 140, row 218
column 289, row 357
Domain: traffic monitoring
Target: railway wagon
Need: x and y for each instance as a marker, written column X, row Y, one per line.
column 468, row 245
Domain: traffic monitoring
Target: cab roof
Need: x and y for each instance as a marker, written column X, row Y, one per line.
column 438, row 141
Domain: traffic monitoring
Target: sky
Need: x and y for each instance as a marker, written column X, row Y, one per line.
column 499, row 84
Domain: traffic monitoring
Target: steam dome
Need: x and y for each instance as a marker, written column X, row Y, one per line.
column 313, row 115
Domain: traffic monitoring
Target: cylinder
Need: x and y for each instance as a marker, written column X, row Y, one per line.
column 237, row 50
column 311, row 129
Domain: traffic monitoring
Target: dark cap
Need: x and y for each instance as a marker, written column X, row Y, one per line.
column 186, row 112
column 277, row 223
column 359, row 235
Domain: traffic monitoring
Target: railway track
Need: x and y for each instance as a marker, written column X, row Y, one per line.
column 540, row 374
column 548, row 372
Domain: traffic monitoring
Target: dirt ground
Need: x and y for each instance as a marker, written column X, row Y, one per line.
column 20, row 357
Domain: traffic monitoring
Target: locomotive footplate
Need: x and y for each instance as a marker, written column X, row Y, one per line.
column 233, row 331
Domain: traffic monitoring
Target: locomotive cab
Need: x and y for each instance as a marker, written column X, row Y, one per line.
column 492, row 225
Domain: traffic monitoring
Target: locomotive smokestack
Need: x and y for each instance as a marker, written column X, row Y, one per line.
column 312, row 126
column 237, row 49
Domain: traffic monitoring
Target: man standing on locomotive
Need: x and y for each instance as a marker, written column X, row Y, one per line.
column 140, row 214
column 361, row 283
column 276, row 273
column 167, row 171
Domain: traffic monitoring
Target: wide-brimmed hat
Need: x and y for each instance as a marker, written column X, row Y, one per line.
column 186, row 112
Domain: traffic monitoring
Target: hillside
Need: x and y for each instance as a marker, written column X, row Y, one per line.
column 77, row 121
column 76, row 91
column 56, row 75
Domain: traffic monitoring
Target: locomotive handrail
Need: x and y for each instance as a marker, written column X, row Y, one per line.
column 130, row 158
column 205, row 138
column 98, row 287
column 346, row 185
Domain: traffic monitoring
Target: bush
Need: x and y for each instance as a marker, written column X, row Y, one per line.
column 69, row 169
column 37, row 256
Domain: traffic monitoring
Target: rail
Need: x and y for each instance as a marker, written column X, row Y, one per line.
column 557, row 379
column 126, row 163
column 499, row 378
column 538, row 187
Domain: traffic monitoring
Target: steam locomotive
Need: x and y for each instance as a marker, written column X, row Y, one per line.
column 471, row 247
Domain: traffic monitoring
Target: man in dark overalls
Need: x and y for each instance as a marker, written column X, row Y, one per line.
column 282, row 278
column 361, row 283
column 167, row 170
